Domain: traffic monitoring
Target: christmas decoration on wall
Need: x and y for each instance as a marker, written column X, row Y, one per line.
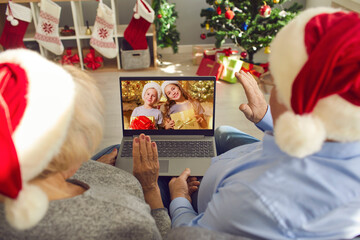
column 265, row 10
column 16, row 23
column 166, row 32
column 135, row 33
column 102, row 37
column 201, row 90
column 248, row 29
column 47, row 30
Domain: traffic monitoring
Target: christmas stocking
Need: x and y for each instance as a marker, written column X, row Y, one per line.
column 47, row 31
column 102, row 36
column 135, row 32
column 17, row 21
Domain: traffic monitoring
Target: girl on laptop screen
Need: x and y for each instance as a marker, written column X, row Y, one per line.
column 181, row 111
column 148, row 116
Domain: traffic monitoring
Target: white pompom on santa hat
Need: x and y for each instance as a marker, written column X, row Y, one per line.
column 36, row 106
column 315, row 63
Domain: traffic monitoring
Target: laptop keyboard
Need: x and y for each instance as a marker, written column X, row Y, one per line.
column 177, row 149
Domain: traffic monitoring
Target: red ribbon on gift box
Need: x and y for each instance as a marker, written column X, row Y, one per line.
column 91, row 61
column 228, row 51
column 253, row 72
column 68, row 59
column 142, row 122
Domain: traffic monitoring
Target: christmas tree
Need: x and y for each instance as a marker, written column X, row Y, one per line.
column 250, row 24
column 165, row 18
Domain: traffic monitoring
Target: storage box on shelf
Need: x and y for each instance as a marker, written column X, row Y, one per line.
column 72, row 15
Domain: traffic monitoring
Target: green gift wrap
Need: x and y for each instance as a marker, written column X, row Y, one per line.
column 231, row 66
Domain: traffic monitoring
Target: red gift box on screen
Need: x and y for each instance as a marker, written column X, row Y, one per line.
column 208, row 67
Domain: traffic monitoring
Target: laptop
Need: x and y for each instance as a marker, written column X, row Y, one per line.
column 186, row 145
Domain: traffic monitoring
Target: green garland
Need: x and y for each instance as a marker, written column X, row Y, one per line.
column 165, row 18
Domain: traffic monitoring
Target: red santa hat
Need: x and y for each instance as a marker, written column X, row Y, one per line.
column 37, row 102
column 315, row 63
column 152, row 85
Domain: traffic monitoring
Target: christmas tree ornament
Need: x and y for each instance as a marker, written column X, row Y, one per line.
column 203, row 36
column 218, row 10
column 211, row 29
column 276, row 1
column 159, row 16
column 235, row 9
column 267, row 50
column 47, row 30
column 229, row 14
column 17, row 21
column 207, row 26
column 244, row 26
column 102, row 37
column 88, row 30
column 135, row 33
column 283, row 13
column 243, row 54
column 265, row 10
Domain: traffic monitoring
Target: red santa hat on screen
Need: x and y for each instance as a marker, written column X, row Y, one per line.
column 315, row 63
column 36, row 106
column 154, row 85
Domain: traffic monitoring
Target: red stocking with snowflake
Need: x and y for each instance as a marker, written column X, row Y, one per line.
column 102, row 36
column 135, row 33
column 47, row 31
column 16, row 23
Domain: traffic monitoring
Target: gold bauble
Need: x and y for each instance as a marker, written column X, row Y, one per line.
column 267, row 50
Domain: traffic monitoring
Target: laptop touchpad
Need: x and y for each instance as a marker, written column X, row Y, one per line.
column 164, row 166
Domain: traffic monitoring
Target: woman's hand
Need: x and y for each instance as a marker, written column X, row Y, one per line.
column 256, row 107
column 169, row 124
column 183, row 187
column 109, row 158
column 146, row 169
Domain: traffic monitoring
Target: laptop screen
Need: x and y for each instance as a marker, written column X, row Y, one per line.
column 168, row 105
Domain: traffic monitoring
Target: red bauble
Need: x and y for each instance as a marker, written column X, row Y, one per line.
column 218, row 10
column 159, row 16
column 243, row 54
column 265, row 11
column 229, row 14
column 203, row 36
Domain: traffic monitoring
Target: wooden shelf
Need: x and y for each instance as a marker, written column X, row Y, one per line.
column 80, row 40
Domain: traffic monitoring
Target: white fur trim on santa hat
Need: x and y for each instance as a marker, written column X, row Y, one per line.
column 299, row 136
column 28, row 208
column 152, row 85
column 288, row 52
column 42, row 129
column 164, row 84
column 145, row 12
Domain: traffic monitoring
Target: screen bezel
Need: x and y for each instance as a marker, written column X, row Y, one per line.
column 205, row 132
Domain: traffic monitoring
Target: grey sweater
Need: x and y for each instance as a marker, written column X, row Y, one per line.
column 112, row 208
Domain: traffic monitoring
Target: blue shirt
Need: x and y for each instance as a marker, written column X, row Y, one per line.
column 258, row 190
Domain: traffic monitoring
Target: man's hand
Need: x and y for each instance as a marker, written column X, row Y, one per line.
column 109, row 158
column 179, row 186
column 256, row 107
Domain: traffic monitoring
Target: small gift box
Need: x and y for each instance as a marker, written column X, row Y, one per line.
column 70, row 57
column 185, row 120
column 231, row 66
column 210, row 53
column 208, row 67
column 142, row 122
column 228, row 52
column 255, row 69
column 92, row 59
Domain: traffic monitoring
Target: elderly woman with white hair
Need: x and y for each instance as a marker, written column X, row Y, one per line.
column 51, row 122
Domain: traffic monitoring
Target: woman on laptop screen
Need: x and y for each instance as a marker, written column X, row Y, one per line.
column 181, row 111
